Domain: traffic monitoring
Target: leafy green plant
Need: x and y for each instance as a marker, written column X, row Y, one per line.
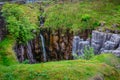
column 81, row 16
column 9, row 76
column 26, row 61
column 66, row 78
column 35, row 75
column 75, row 56
column 86, row 17
column 88, row 53
column 21, row 21
column 65, row 16
column 108, row 58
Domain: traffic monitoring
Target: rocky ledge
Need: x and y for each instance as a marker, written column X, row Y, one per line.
column 101, row 42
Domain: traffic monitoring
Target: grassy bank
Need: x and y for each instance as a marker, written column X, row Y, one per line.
column 64, row 70
column 104, row 66
column 78, row 16
column 83, row 15
column 7, row 55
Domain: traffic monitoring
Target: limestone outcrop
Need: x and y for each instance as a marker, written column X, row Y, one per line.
column 101, row 42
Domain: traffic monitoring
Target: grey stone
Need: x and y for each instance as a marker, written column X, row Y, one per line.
column 116, row 52
column 29, row 53
column 107, row 31
column 115, row 25
column 107, row 51
column 76, row 40
column 98, row 38
column 115, row 38
column 102, row 24
column 109, row 45
column 82, row 46
column 20, row 52
column 101, row 42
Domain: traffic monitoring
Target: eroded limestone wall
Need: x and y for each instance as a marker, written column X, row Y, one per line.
column 101, row 42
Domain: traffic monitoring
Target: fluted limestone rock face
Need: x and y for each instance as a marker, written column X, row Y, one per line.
column 115, row 38
column 82, row 46
column 47, row 46
column 109, row 45
column 105, row 42
column 75, row 45
column 98, row 40
column 29, row 53
column 101, row 42
column 112, row 45
column 116, row 52
column 79, row 46
column 19, row 49
column 25, row 52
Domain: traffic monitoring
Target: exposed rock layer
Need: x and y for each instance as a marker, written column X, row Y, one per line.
column 57, row 46
column 101, row 42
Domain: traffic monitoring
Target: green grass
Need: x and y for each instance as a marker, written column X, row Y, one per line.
column 101, row 66
column 107, row 58
column 67, row 16
column 62, row 70
column 84, row 15
column 7, row 55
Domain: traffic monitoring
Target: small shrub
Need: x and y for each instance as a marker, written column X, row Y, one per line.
column 85, row 17
column 108, row 58
column 21, row 21
column 88, row 53
column 74, row 17
column 37, row 75
column 75, row 56
column 9, row 76
column 26, row 61
column 66, row 78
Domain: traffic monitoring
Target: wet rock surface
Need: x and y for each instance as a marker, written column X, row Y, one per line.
column 47, row 46
column 57, row 46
